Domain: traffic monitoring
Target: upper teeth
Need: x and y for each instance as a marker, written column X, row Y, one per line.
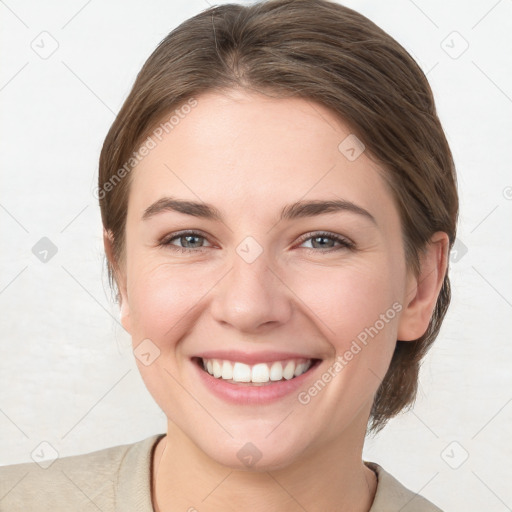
column 260, row 373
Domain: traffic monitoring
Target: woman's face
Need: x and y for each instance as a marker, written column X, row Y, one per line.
column 271, row 281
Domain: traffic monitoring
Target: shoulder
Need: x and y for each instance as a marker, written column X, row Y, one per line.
column 392, row 496
column 79, row 482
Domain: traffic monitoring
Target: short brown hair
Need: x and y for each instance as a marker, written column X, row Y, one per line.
column 321, row 51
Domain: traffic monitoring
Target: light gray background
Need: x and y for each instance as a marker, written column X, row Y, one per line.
column 68, row 376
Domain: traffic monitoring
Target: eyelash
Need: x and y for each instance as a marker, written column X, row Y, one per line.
column 344, row 242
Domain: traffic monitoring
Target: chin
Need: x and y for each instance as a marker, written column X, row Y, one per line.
column 253, row 456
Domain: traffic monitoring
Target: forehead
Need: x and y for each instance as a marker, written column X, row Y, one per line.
column 248, row 150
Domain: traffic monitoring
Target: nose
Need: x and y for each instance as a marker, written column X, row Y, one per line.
column 251, row 297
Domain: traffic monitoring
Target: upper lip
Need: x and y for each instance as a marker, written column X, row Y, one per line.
column 252, row 358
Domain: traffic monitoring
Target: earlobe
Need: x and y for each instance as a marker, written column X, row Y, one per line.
column 124, row 313
column 108, row 241
column 422, row 290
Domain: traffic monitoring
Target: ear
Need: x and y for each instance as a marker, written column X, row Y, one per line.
column 120, row 279
column 422, row 290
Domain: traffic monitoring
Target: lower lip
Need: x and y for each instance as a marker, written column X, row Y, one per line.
column 244, row 394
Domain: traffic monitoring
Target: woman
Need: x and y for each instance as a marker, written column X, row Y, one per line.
column 278, row 201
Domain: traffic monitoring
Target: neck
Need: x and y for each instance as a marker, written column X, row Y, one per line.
column 332, row 476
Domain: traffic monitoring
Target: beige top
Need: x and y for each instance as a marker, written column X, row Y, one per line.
column 118, row 479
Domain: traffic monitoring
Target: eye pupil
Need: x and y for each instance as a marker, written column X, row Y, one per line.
column 315, row 239
column 190, row 238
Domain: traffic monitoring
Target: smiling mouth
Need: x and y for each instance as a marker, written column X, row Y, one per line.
column 260, row 374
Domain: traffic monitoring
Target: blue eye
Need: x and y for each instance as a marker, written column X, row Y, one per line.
column 327, row 242
column 193, row 242
column 188, row 239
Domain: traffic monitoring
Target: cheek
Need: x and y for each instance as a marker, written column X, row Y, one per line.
column 162, row 299
column 356, row 307
column 347, row 299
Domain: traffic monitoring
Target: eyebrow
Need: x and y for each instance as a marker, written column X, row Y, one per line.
column 292, row 211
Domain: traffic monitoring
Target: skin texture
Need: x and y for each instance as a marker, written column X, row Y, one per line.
column 249, row 155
